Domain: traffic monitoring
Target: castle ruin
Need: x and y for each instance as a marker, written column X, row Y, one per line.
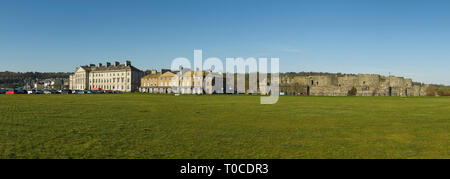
column 340, row 84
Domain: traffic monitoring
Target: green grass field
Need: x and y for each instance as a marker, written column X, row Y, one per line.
column 166, row 126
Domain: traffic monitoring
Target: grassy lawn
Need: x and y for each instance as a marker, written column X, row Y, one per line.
column 166, row 126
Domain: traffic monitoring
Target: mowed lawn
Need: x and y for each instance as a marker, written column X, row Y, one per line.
column 222, row 126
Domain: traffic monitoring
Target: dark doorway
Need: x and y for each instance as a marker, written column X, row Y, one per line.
column 406, row 92
column 307, row 90
column 390, row 91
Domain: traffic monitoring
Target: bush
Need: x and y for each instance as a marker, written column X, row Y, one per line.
column 430, row 91
column 444, row 92
column 352, row 92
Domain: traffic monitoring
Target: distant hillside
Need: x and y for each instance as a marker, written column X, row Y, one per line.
column 18, row 79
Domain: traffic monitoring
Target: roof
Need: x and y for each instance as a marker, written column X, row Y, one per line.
column 168, row 74
column 85, row 68
column 112, row 68
column 152, row 76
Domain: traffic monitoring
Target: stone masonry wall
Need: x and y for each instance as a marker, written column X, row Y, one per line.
column 339, row 85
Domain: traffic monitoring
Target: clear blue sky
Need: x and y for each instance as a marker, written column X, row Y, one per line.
column 408, row 38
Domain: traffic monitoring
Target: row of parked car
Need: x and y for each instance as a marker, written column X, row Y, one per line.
column 65, row 91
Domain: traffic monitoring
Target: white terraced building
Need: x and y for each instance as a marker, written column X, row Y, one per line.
column 117, row 77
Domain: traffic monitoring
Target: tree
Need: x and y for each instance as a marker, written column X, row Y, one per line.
column 352, row 92
column 444, row 92
column 430, row 91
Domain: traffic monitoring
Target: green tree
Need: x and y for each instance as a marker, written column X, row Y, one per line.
column 430, row 91
column 352, row 92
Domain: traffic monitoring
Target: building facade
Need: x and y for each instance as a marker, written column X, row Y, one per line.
column 79, row 80
column 183, row 82
column 116, row 77
column 166, row 82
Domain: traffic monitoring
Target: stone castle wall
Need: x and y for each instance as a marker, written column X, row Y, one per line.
column 339, row 85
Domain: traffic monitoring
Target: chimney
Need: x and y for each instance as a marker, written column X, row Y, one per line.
column 108, row 64
column 116, row 63
column 127, row 63
column 100, row 64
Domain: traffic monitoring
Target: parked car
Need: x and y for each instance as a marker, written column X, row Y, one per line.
column 97, row 92
column 108, row 92
column 117, row 92
column 22, row 91
column 66, row 91
column 36, row 91
column 15, row 91
column 80, row 92
column 11, row 91
column 51, row 91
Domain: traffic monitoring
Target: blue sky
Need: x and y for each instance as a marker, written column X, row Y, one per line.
column 408, row 38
